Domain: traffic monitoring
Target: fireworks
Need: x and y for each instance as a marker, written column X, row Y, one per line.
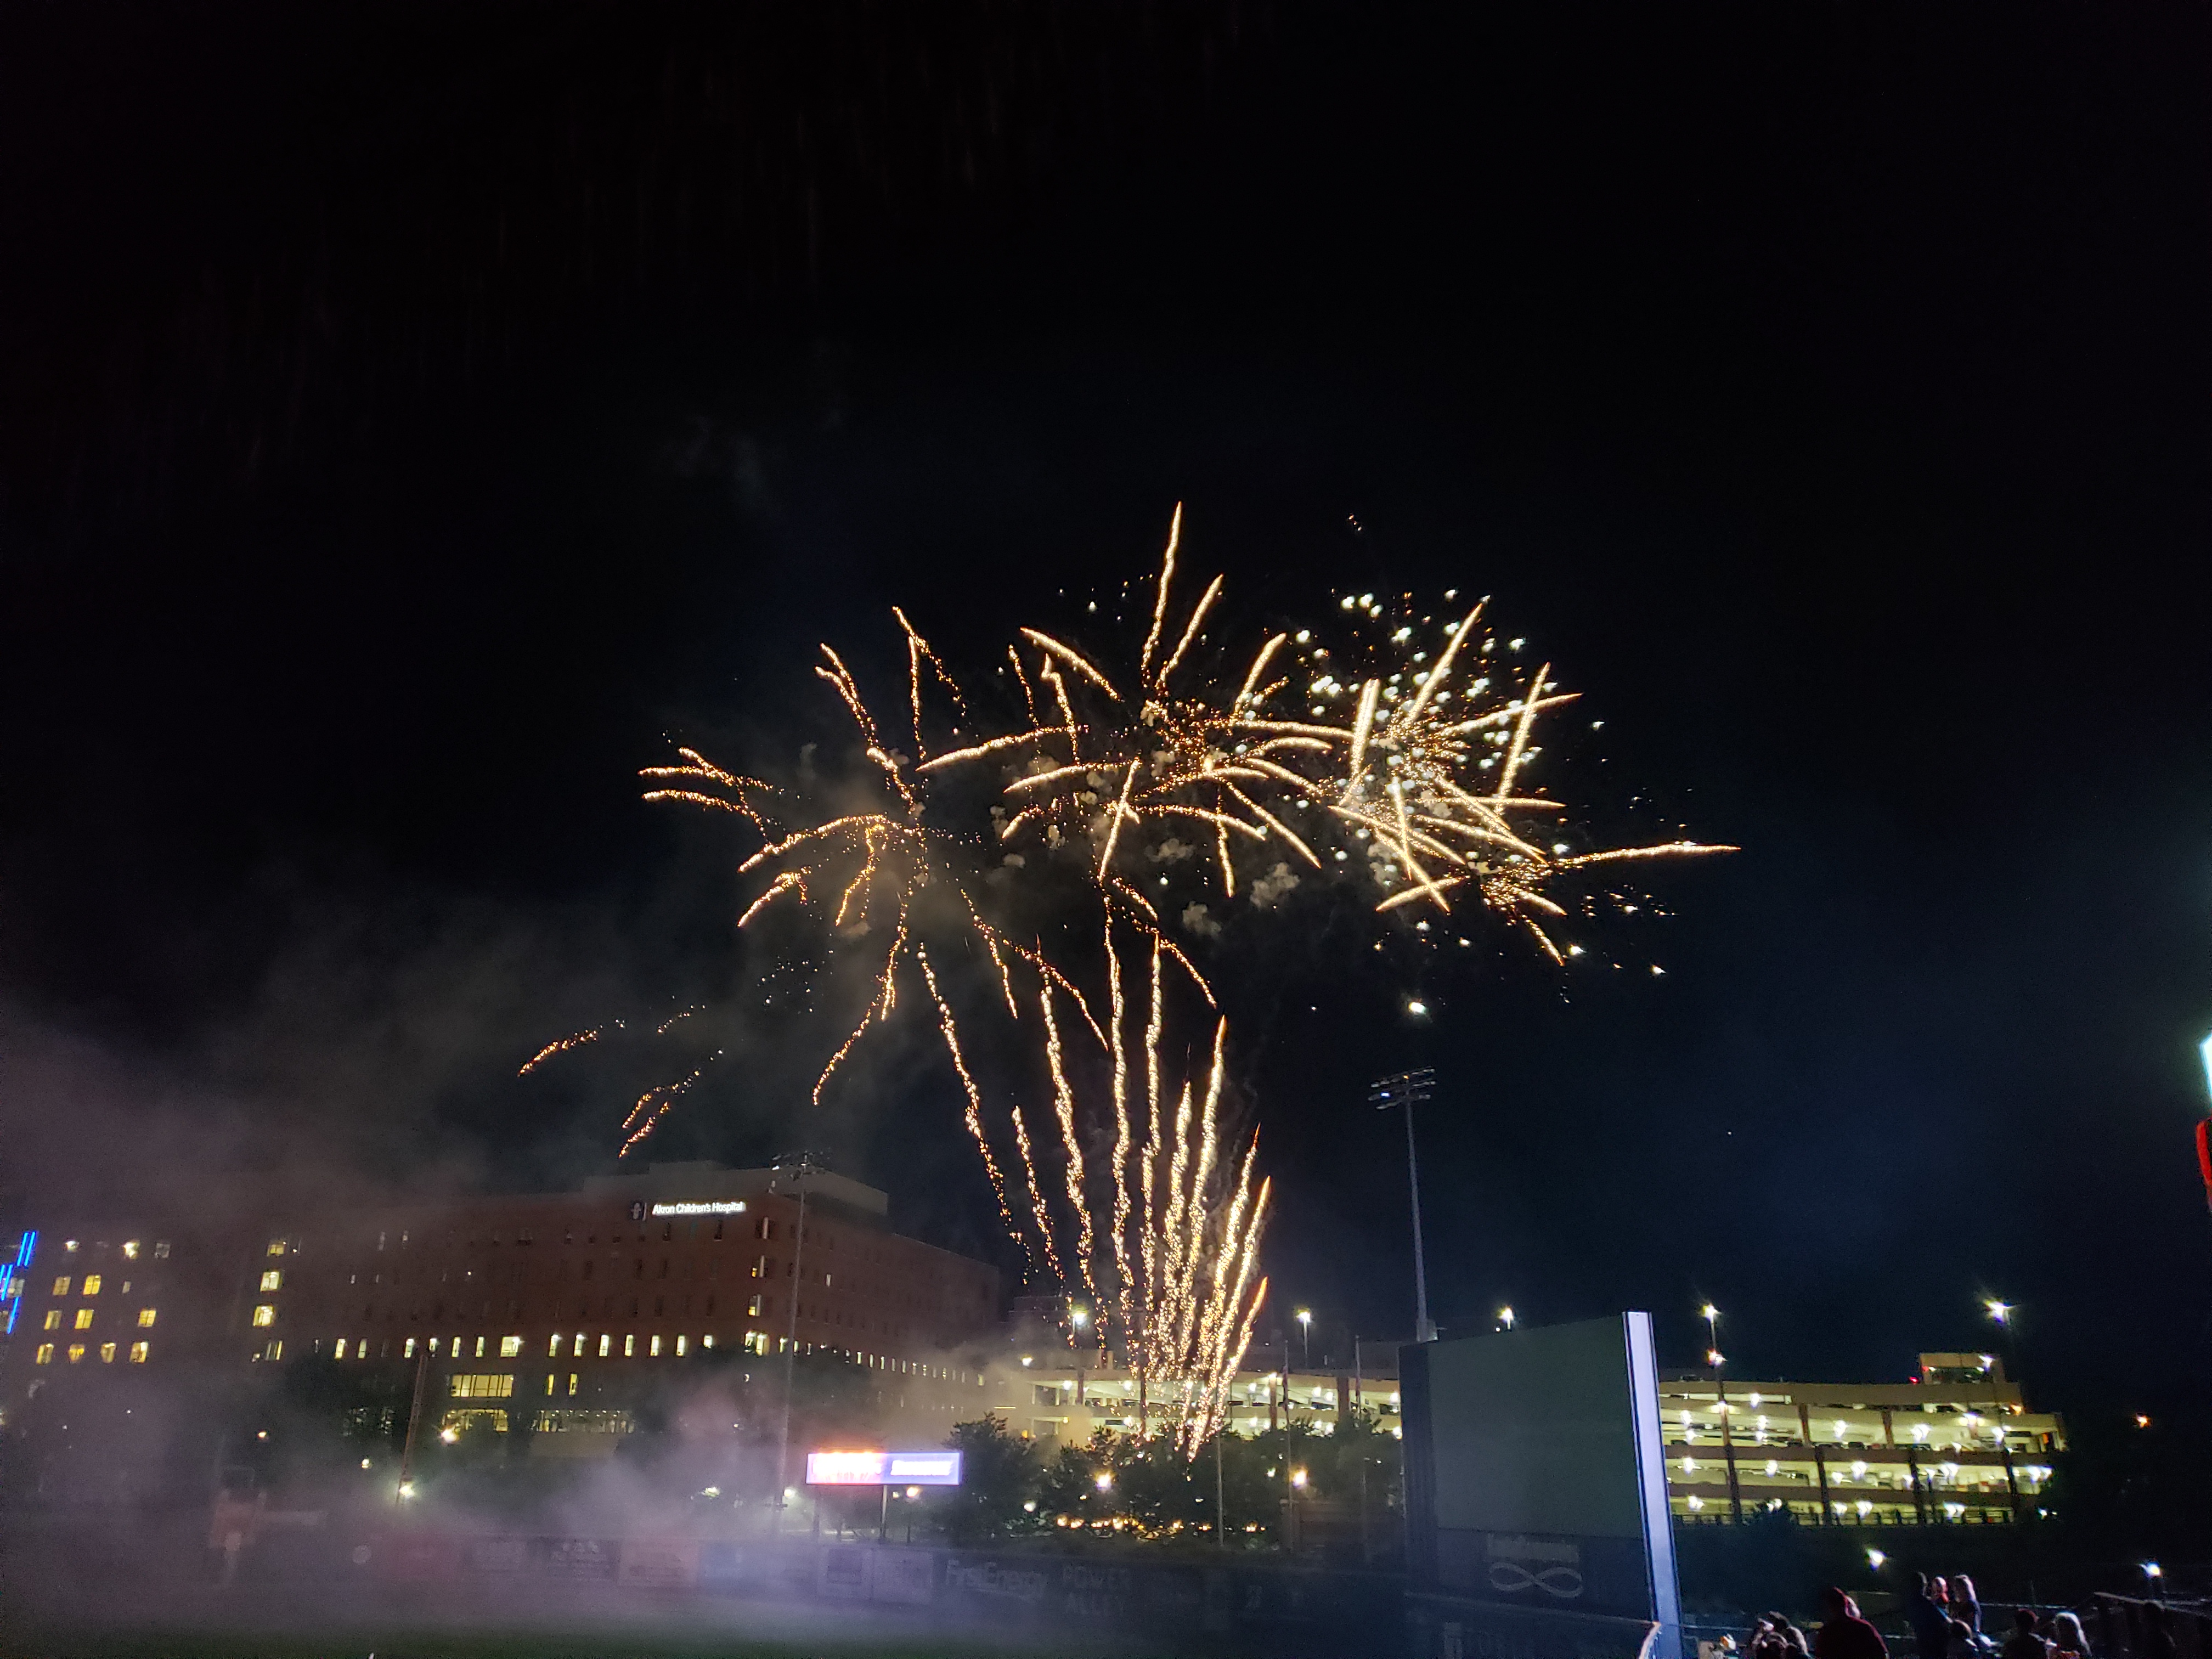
column 1391, row 749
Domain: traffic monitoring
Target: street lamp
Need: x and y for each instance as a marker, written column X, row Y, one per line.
column 1408, row 1089
column 1711, row 1315
column 1305, row 1331
column 1506, row 1319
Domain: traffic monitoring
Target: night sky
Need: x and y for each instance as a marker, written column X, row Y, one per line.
column 414, row 420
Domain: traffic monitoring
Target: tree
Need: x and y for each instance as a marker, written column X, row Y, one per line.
column 998, row 1487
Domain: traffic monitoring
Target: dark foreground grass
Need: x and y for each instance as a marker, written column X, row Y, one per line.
column 171, row 1644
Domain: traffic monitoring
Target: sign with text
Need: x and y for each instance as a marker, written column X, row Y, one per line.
column 878, row 1468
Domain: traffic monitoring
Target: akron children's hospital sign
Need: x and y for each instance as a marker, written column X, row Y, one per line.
column 1536, row 1517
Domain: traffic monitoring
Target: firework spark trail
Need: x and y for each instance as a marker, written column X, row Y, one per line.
column 950, row 1031
column 561, row 1046
column 1038, row 1208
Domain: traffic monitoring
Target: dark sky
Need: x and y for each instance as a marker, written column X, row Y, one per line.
column 413, row 417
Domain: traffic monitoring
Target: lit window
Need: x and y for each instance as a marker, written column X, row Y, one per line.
column 84, row 1319
column 62, row 1284
column 276, row 1246
column 161, row 1249
column 577, row 1347
column 274, row 1351
column 654, row 1350
column 54, row 1319
column 146, row 1318
column 572, row 1385
column 70, row 1247
column 494, row 1386
column 107, row 1353
column 339, row 1348
column 75, row 1353
column 509, row 1346
column 273, row 1280
column 630, row 1347
column 130, row 1249
column 409, row 1354
column 361, row 1348
column 138, row 1351
column 553, row 1346
column 264, row 1315
column 46, row 1354
column 91, row 1284
column 549, row 1385
column 606, row 1344
column 480, row 1342
column 679, row 1347
column 706, row 1341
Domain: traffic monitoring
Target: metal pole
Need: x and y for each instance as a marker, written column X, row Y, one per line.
column 1423, row 1331
column 1220, row 1510
column 790, row 1355
column 414, row 1422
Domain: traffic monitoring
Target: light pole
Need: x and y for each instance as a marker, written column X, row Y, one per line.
column 1305, row 1330
column 801, row 1165
column 1407, row 1090
column 1079, row 1317
column 1506, row 1319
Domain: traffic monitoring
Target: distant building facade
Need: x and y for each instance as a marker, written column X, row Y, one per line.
column 567, row 1304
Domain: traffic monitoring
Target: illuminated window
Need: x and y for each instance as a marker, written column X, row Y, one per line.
column 679, row 1347
column 480, row 1342
column 62, row 1284
column 757, row 1306
column 264, row 1315
column 274, row 1351
column 361, row 1348
column 630, row 1347
column 75, row 1353
column 46, row 1354
column 273, row 1280
column 161, row 1249
column 339, row 1348
column 409, row 1354
column 91, row 1284
column 706, row 1341
column 756, row 1342
column 549, row 1385
column 138, row 1351
column 606, row 1344
column 54, row 1319
column 498, row 1385
column 572, row 1385
column 107, row 1353
column 553, row 1346
column 84, row 1319
column 509, row 1346
column 577, row 1348
column 146, row 1318
column 276, row 1246
column 653, row 1349
column 130, row 1249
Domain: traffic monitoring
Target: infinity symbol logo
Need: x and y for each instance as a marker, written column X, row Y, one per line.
column 1562, row 1582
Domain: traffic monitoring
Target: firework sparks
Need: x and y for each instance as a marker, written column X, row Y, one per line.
column 562, row 1046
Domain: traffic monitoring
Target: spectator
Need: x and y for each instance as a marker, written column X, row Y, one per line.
column 1842, row 1634
column 1959, row 1641
column 1792, row 1637
column 1964, row 1603
column 1931, row 1625
column 2067, row 1639
column 2024, row 1642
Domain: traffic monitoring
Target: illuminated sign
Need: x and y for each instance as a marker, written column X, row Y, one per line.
column 876, row 1468
column 720, row 1206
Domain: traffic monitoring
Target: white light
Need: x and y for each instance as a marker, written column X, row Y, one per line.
column 2204, row 1049
column 1416, row 1008
column 1875, row 1559
column 1105, row 1483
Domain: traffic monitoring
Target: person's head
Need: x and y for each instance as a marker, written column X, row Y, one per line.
column 2066, row 1631
column 2023, row 1620
column 1961, row 1637
column 1835, row 1603
column 1962, row 1588
column 1780, row 1621
column 1940, row 1587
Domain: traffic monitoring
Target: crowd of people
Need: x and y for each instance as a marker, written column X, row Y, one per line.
column 1946, row 1618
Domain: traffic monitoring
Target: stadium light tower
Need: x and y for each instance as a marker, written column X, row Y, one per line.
column 1407, row 1090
